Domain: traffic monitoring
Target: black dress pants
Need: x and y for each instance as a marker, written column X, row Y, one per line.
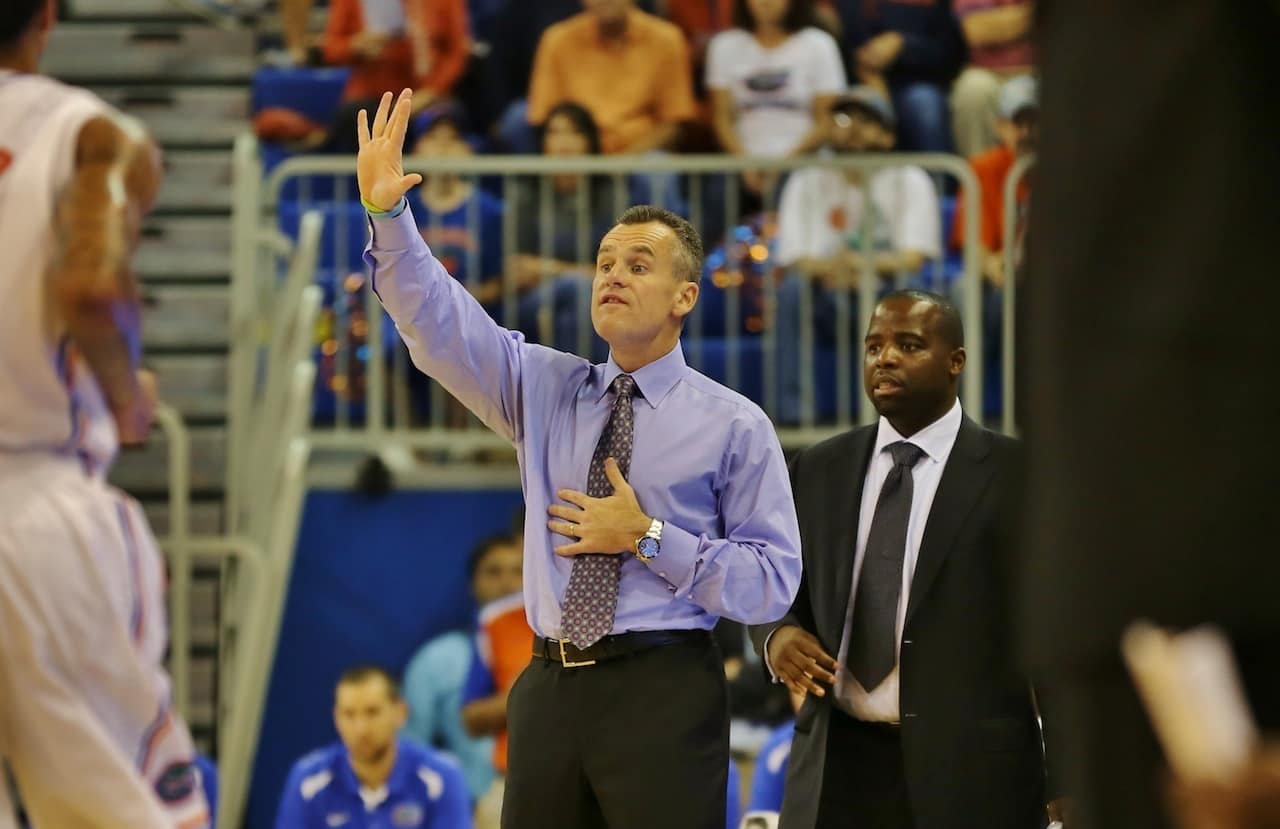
column 636, row 742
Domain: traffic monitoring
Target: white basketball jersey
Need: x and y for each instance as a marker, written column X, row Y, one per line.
column 49, row 400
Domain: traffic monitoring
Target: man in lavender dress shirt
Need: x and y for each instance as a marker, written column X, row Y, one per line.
column 669, row 505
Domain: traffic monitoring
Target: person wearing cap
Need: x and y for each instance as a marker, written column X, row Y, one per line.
column 834, row 225
column 461, row 222
column 998, row 33
column 1016, row 121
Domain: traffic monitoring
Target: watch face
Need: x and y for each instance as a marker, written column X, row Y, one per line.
column 647, row 547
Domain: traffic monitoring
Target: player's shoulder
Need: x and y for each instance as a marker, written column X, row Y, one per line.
column 315, row 771
column 434, row 771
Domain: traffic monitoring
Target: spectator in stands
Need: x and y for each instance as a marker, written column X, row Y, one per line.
column 567, row 253
column 999, row 36
column 911, row 49
column 372, row 777
column 1015, row 123
column 398, row 44
column 437, row 674
column 773, row 79
column 461, row 222
column 503, row 647
column 629, row 69
column 822, row 218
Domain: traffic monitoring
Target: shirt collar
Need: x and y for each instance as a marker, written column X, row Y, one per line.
column 395, row 781
column 654, row 380
column 935, row 440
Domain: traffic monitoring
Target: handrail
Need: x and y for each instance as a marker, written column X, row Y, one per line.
column 511, row 166
column 1009, row 420
column 177, row 546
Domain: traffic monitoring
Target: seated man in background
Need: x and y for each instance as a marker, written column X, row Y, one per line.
column 828, row 233
column 629, row 69
column 1016, row 121
column 371, row 777
column 435, row 677
column 999, row 36
column 394, row 44
column 503, row 647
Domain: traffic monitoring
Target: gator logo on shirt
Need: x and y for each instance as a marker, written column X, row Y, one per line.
column 406, row 815
column 177, row 783
column 768, row 80
column 6, row 158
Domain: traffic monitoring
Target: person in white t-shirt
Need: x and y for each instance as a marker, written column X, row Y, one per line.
column 823, row 217
column 773, row 79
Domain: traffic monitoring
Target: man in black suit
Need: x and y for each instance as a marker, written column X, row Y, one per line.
column 915, row 715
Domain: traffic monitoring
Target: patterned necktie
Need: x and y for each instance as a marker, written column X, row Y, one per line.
column 873, row 644
column 592, row 595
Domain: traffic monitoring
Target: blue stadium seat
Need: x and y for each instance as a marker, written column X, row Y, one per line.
column 315, row 92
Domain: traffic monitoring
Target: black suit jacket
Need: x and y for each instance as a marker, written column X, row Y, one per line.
column 971, row 743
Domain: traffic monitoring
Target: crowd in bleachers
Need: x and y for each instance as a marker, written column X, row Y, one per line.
column 752, row 78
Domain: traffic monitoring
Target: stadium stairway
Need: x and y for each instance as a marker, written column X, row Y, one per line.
column 189, row 83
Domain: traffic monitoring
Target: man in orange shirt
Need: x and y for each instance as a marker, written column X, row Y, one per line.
column 1016, row 125
column 629, row 69
column 394, row 44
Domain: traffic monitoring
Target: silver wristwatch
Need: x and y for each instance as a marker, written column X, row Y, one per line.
column 650, row 544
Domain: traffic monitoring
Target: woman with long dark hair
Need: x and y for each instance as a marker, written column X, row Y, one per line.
column 773, row 79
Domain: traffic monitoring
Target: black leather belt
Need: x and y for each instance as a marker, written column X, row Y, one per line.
column 610, row 647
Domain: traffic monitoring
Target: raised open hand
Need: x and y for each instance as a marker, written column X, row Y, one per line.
column 379, row 169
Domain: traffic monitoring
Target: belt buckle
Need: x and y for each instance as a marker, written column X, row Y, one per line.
column 564, row 660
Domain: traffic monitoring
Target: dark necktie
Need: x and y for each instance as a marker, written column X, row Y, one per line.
column 591, row 598
column 873, row 641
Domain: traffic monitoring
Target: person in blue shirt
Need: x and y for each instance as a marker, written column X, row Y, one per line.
column 437, row 673
column 460, row 221
column 371, row 778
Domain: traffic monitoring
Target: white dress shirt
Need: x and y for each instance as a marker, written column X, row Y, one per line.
column 937, row 440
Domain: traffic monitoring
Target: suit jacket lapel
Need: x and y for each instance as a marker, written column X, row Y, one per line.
column 966, row 475
column 845, row 477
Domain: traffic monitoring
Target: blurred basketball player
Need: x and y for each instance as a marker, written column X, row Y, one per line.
column 85, row 717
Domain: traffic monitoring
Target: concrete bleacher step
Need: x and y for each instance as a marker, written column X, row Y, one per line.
column 203, row 517
column 184, row 116
column 194, row 384
column 132, row 10
column 195, row 181
column 184, row 248
column 145, row 469
column 103, row 53
column 192, row 317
